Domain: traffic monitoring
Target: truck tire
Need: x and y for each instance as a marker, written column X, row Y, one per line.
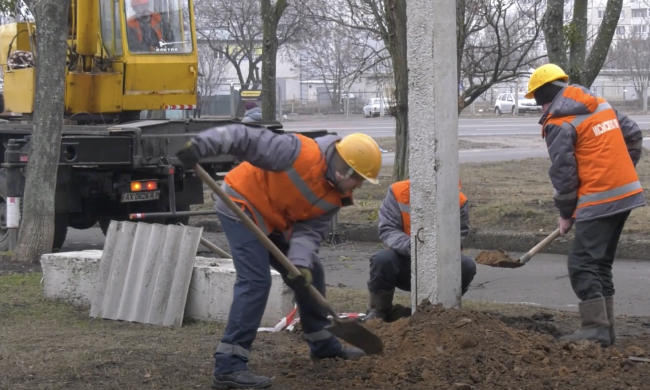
column 2, row 103
column 60, row 220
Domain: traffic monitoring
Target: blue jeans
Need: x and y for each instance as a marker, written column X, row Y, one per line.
column 253, row 264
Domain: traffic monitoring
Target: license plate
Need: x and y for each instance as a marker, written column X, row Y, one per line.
column 140, row 196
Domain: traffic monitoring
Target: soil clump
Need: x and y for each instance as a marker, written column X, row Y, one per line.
column 493, row 258
column 438, row 348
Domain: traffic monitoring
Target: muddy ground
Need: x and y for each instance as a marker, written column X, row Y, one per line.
column 52, row 345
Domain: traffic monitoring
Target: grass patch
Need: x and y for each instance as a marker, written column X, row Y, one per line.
column 53, row 345
column 509, row 195
column 389, row 144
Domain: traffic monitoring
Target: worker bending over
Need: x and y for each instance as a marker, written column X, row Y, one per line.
column 391, row 267
column 291, row 186
column 594, row 151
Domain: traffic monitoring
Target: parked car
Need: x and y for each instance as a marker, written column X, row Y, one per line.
column 373, row 107
column 506, row 104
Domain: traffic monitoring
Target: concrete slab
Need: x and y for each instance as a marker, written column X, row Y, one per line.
column 211, row 293
column 71, row 277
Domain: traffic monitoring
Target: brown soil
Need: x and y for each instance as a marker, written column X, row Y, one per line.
column 52, row 345
column 492, row 257
column 464, row 349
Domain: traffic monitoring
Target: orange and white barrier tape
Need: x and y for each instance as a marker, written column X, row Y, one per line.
column 290, row 321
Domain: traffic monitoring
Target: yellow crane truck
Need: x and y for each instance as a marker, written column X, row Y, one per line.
column 124, row 57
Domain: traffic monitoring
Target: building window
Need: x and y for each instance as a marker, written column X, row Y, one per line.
column 639, row 29
column 620, row 30
column 601, row 14
column 622, row 14
column 639, row 13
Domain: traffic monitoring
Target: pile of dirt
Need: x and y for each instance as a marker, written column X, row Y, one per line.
column 492, row 257
column 462, row 349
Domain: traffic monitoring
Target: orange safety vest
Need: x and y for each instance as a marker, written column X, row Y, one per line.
column 463, row 198
column 402, row 193
column 605, row 171
column 154, row 22
column 279, row 199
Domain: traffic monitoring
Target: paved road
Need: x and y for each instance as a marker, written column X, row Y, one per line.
column 474, row 127
column 542, row 282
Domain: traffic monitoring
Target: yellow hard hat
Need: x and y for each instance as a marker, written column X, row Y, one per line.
column 542, row 75
column 362, row 154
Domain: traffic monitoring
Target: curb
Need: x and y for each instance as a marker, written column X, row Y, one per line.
column 629, row 247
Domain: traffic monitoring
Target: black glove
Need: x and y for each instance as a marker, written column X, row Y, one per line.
column 300, row 282
column 189, row 155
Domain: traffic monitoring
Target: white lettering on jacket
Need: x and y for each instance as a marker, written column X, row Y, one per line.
column 606, row 126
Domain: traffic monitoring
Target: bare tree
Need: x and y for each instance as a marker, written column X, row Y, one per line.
column 271, row 15
column 334, row 54
column 234, row 29
column 494, row 45
column 632, row 53
column 212, row 69
column 497, row 42
column 36, row 233
column 385, row 20
column 568, row 44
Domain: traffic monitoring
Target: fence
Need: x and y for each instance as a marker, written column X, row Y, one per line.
column 624, row 95
column 225, row 100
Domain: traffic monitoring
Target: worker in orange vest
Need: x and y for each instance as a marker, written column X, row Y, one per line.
column 291, row 186
column 145, row 28
column 390, row 268
column 594, row 150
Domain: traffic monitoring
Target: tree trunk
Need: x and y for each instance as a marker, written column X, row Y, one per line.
column 554, row 33
column 270, row 18
column 36, row 233
column 581, row 68
column 396, row 25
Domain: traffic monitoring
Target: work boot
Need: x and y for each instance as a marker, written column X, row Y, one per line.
column 351, row 353
column 380, row 303
column 594, row 324
column 240, row 380
column 609, row 302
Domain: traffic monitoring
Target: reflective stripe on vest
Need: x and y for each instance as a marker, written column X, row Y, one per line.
column 598, row 171
column 237, row 198
column 278, row 199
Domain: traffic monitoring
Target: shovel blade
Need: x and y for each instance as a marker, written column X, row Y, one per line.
column 353, row 332
column 508, row 264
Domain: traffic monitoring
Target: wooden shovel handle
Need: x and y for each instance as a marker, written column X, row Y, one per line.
column 268, row 244
column 528, row 255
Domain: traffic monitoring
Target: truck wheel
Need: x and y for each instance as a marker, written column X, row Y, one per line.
column 2, row 103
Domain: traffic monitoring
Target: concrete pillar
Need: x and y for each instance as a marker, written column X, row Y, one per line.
column 433, row 144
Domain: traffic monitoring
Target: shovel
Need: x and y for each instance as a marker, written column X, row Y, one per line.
column 347, row 329
column 500, row 259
